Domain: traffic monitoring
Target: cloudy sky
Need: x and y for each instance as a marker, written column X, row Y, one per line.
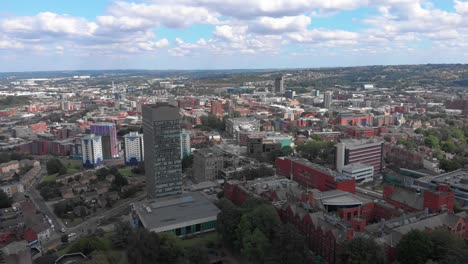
column 228, row 34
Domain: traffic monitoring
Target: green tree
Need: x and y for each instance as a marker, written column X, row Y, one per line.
column 169, row 249
column 448, row 146
column 187, row 162
column 362, row 250
column 119, row 182
column 89, row 244
column 289, row 246
column 432, row 141
column 414, row 247
column 122, row 233
column 256, row 246
column 5, row 201
column 55, row 166
column 228, row 220
column 102, row 173
column 143, row 247
column 457, row 133
column 448, row 248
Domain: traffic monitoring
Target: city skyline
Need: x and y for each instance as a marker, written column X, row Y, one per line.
column 205, row 34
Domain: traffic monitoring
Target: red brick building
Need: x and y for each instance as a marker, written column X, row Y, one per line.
column 440, row 199
column 216, row 108
column 313, row 176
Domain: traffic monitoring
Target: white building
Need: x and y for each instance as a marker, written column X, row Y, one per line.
column 185, row 147
column 362, row 173
column 133, row 148
column 327, row 99
column 91, row 149
column 11, row 189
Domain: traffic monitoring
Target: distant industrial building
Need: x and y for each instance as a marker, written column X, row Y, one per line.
column 185, row 147
column 207, row 164
column 161, row 126
column 133, row 148
column 91, row 151
column 279, row 84
column 351, row 151
column 108, row 133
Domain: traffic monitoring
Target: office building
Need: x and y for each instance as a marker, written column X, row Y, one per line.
column 108, row 133
column 185, row 148
column 362, row 173
column 133, row 148
column 351, row 151
column 91, row 151
column 279, row 84
column 315, row 93
column 327, row 99
column 161, row 124
column 207, row 164
column 260, row 148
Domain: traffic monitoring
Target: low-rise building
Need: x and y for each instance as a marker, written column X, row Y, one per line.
column 207, row 164
column 362, row 173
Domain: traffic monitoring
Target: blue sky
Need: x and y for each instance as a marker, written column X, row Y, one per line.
column 228, row 34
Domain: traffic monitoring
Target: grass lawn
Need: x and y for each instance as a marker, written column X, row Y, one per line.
column 126, row 171
column 73, row 168
column 200, row 240
column 52, row 177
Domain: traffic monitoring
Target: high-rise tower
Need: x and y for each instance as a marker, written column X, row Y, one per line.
column 163, row 166
column 108, row 132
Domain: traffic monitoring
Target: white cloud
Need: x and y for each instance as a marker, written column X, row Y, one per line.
column 270, row 25
column 230, row 33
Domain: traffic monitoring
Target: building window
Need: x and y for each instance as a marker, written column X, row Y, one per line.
column 197, row 228
column 178, row 232
column 188, row 229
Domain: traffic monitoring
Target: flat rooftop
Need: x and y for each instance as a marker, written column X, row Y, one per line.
column 457, row 178
column 170, row 213
column 341, row 198
column 338, row 176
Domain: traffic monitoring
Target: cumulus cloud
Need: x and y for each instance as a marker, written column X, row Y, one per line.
column 270, row 25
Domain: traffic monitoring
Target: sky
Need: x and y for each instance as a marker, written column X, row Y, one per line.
column 41, row 35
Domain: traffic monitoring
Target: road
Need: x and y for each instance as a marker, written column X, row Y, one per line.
column 39, row 202
column 369, row 193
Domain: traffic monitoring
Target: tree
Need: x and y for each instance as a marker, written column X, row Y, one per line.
column 448, row 146
column 102, row 173
column 448, row 248
column 449, row 165
column 64, row 238
column 5, row 201
column 362, row 250
column 55, row 166
column 119, row 182
column 414, row 247
column 289, row 246
column 143, row 247
column 140, row 169
column 89, row 244
column 197, row 255
column 228, row 220
column 287, row 150
column 123, row 230
column 432, row 141
column 256, row 246
column 169, row 249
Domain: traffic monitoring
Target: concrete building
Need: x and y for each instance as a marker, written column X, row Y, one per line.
column 12, row 189
column 17, row 252
column 369, row 152
column 163, row 166
column 362, row 173
column 327, row 99
column 241, row 124
column 260, row 148
column 185, row 146
column 108, row 133
column 279, row 84
column 133, row 148
column 182, row 215
column 207, row 164
column 91, row 151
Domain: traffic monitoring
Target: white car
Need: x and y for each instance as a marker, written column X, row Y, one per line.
column 63, row 230
column 71, row 235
